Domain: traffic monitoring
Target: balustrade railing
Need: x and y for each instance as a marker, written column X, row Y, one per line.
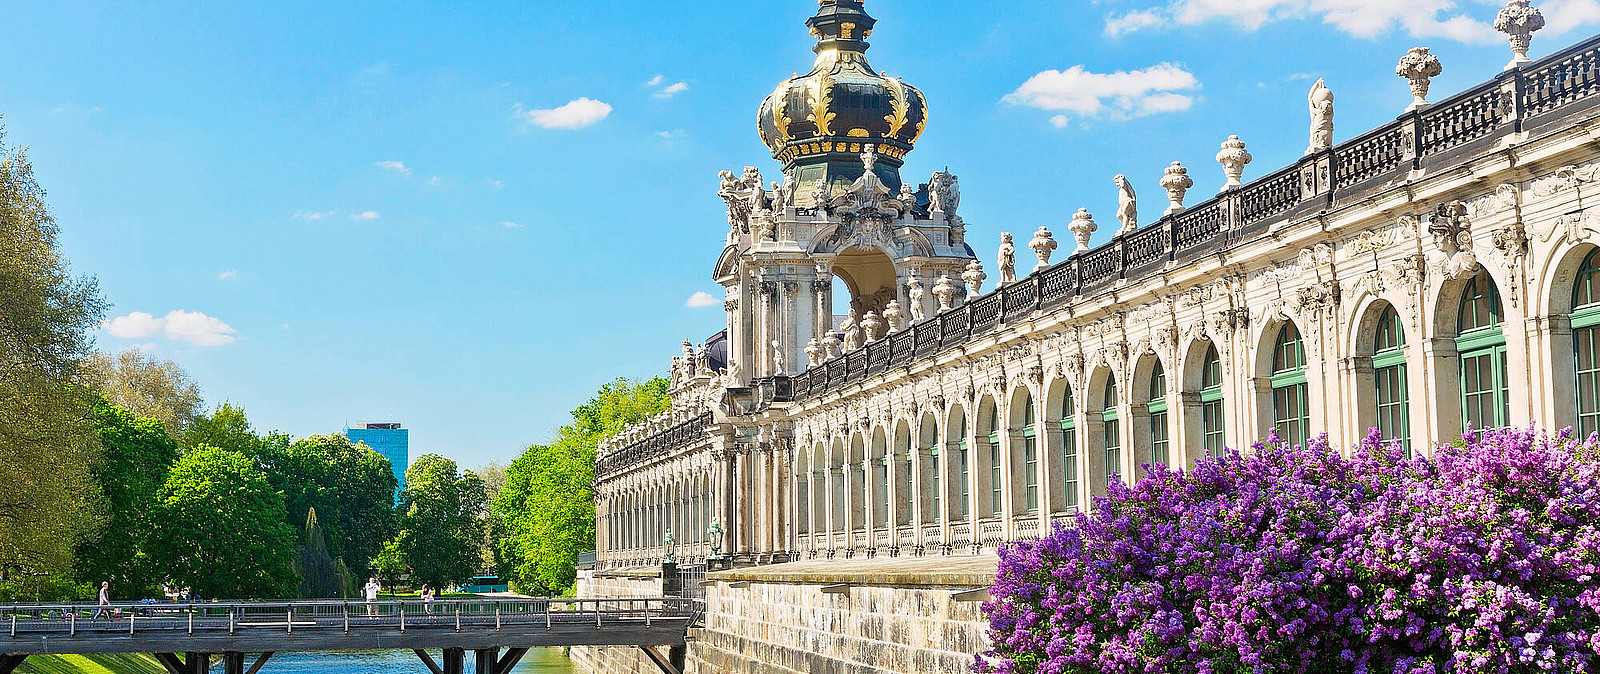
column 991, row 533
column 960, row 535
column 1025, row 528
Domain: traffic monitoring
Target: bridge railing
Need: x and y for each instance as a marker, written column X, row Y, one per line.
column 32, row 620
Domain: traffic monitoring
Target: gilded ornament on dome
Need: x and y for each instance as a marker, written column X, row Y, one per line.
column 899, row 105
column 822, row 98
column 846, row 29
column 780, row 110
column 858, row 132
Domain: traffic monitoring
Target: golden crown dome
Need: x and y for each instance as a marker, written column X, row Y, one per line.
column 834, row 111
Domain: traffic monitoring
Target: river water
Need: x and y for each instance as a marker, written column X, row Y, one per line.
column 538, row 661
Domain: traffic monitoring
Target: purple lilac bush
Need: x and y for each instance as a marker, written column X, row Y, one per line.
column 1296, row 559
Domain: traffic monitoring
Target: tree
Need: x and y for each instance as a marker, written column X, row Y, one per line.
column 349, row 485
column 138, row 454
column 319, row 574
column 544, row 515
column 219, row 528
column 227, row 427
column 440, row 522
column 49, row 501
column 146, row 386
column 493, row 474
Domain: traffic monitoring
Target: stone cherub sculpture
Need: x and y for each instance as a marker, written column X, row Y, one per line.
column 1321, row 102
column 1127, row 205
column 852, row 331
column 917, row 297
column 819, row 192
column 1008, row 260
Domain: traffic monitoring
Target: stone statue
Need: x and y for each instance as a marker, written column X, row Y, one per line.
column 1008, row 261
column 908, row 198
column 944, row 194
column 1233, row 157
column 733, row 375
column 918, row 298
column 895, row 316
column 819, row 192
column 974, row 277
column 830, row 345
column 852, row 332
column 688, row 360
column 1175, row 179
column 1518, row 21
column 1321, row 102
column 738, row 208
column 870, row 325
column 1452, row 235
column 702, row 361
column 945, row 290
column 814, row 353
column 867, row 193
column 958, row 230
column 1082, row 227
column 780, row 196
column 777, row 357
column 670, row 547
column 1042, row 244
column 1418, row 67
column 1127, row 205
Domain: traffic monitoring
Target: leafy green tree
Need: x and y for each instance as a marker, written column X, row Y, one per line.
column 441, row 517
column 227, row 427
column 138, row 454
column 48, row 497
column 219, row 528
column 319, row 574
column 390, row 565
column 146, row 386
column 350, row 485
column 544, row 515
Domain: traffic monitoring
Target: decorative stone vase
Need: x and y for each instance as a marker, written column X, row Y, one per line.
column 814, row 354
column 1042, row 245
column 830, row 345
column 1082, row 228
column 1175, row 179
column 870, row 325
column 974, row 277
column 1518, row 21
column 945, row 290
column 1233, row 158
column 1418, row 66
column 895, row 316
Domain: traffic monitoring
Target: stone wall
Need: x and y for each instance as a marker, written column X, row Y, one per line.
column 623, row 583
column 897, row 615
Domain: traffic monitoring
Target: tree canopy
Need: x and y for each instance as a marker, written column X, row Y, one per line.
column 544, row 515
column 351, row 487
column 222, row 530
column 146, row 386
column 138, row 454
column 441, row 515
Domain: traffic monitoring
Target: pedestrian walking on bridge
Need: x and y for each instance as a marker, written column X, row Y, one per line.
column 104, row 603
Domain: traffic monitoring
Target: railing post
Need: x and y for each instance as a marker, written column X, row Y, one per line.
column 497, row 616
column 72, row 623
column 191, row 620
column 232, row 619
column 289, row 613
column 458, row 617
column 347, row 617
column 402, row 617
column 131, row 616
column 547, row 614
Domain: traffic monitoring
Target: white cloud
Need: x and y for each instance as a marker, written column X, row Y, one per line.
column 510, row 225
column 1561, row 16
column 314, row 215
column 672, row 90
column 701, row 299
column 1360, row 18
column 229, row 275
column 192, row 327
column 436, row 181
column 364, row 215
column 576, row 114
column 669, row 135
column 655, row 81
column 1119, row 95
column 392, row 165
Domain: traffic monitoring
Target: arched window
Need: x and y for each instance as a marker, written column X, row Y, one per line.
column 1290, row 413
column 1213, row 437
column 996, row 482
column 1586, row 343
column 802, row 487
column 1389, row 372
column 906, row 455
column 930, row 454
column 1484, row 390
column 879, row 489
column 1113, row 442
column 963, row 469
column 1069, row 450
column 1158, row 415
column 1030, row 458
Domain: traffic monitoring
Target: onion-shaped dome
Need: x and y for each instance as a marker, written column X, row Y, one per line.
column 833, row 112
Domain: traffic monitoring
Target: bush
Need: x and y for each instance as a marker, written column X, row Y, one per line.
column 1296, row 559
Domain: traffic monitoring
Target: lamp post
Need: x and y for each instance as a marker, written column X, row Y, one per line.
column 714, row 536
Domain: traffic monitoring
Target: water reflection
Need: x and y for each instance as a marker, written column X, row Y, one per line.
column 538, row 661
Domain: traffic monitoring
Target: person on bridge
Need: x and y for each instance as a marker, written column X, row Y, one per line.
column 372, row 594
column 427, row 599
column 105, row 600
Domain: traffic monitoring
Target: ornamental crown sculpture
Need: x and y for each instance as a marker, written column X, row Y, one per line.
column 817, row 124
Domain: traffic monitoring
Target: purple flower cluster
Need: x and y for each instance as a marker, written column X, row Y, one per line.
column 1297, row 559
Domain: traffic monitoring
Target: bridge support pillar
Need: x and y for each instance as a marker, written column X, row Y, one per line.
column 233, row 662
column 455, row 661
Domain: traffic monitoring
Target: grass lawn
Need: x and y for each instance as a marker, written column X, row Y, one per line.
column 117, row 663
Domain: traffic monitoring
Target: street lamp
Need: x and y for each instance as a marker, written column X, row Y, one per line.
column 714, row 535
column 671, row 546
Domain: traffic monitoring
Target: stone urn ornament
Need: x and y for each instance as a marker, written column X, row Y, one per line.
column 974, row 277
column 1233, row 158
column 814, row 353
column 1082, row 228
column 870, row 325
column 945, row 290
column 1175, row 179
column 895, row 316
column 1518, row 20
column 830, row 345
column 1418, row 67
column 1042, row 245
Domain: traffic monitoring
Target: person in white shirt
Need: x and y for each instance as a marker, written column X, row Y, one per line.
column 372, row 594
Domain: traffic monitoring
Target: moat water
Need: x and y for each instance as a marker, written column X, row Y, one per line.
column 538, row 661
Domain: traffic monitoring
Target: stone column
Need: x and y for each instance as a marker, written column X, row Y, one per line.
column 768, row 330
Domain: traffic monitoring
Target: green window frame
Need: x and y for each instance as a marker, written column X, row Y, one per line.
column 996, row 482
column 933, row 466
column 1030, row 459
column 1291, row 414
column 1157, row 406
column 1213, row 427
column 1389, row 378
column 1069, row 451
column 1586, row 344
column 964, row 466
column 1111, row 428
column 1485, row 389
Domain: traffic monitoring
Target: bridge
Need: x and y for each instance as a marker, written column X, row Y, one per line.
column 188, row 637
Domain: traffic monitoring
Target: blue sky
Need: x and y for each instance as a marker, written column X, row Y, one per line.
column 466, row 216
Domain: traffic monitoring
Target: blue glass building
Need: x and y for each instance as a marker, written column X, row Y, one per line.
column 390, row 440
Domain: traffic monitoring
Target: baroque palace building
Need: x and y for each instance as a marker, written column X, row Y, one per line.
column 1431, row 276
